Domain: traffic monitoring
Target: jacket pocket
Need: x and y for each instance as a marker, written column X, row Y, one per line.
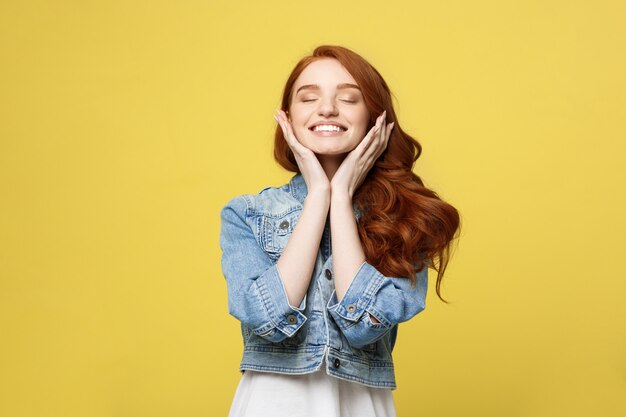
column 276, row 231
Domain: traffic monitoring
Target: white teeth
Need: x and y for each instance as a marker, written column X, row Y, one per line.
column 327, row 128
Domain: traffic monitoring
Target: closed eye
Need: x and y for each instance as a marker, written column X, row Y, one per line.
column 345, row 101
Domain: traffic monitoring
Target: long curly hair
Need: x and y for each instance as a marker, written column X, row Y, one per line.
column 404, row 226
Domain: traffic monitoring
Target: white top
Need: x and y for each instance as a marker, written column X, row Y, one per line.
column 317, row 394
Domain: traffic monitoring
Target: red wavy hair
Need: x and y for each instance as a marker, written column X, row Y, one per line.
column 404, row 226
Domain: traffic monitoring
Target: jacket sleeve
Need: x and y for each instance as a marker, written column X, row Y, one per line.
column 256, row 294
column 390, row 300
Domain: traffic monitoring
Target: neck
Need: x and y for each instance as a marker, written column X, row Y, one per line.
column 330, row 163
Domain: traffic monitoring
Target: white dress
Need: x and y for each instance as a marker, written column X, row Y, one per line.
column 317, row 394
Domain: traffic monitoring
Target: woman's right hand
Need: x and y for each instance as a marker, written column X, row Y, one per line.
column 310, row 167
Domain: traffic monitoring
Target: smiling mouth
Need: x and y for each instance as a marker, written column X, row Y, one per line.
column 327, row 128
column 327, row 133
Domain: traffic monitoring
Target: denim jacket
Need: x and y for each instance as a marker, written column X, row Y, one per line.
column 279, row 337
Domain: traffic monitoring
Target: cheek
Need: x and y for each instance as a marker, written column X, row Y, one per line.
column 363, row 121
column 298, row 124
column 361, row 131
column 302, row 130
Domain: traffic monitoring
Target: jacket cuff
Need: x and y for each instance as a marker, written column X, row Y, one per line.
column 283, row 316
column 358, row 297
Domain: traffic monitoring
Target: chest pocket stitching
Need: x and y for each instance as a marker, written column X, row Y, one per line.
column 275, row 232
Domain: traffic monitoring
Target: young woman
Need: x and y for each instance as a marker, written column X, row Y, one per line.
column 321, row 270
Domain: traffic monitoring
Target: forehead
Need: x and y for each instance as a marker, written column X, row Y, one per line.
column 326, row 73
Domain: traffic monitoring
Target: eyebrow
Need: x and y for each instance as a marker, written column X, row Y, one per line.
column 317, row 87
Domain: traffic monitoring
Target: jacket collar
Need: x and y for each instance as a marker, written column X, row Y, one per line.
column 298, row 189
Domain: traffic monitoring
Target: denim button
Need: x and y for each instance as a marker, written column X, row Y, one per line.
column 351, row 308
column 291, row 319
column 329, row 275
column 336, row 363
column 284, row 224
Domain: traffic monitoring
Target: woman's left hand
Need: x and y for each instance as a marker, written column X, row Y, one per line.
column 360, row 160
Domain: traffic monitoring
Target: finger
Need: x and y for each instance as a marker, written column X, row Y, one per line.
column 293, row 144
column 290, row 137
column 389, row 131
column 372, row 149
column 367, row 140
column 382, row 130
column 283, row 125
column 385, row 143
column 381, row 145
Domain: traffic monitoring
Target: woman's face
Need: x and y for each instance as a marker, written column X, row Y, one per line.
column 326, row 94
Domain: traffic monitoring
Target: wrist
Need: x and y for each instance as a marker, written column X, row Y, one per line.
column 340, row 201
column 318, row 196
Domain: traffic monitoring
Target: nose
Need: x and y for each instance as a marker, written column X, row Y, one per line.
column 327, row 108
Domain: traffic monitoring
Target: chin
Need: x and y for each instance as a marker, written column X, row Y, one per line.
column 330, row 147
column 330, row 153
column 330, row 150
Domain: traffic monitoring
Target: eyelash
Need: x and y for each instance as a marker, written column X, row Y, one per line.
column 346, row 101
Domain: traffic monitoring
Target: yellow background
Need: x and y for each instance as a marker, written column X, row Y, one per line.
column 125, row 126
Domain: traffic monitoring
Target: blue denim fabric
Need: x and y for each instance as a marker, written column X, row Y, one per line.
column 279, row 337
